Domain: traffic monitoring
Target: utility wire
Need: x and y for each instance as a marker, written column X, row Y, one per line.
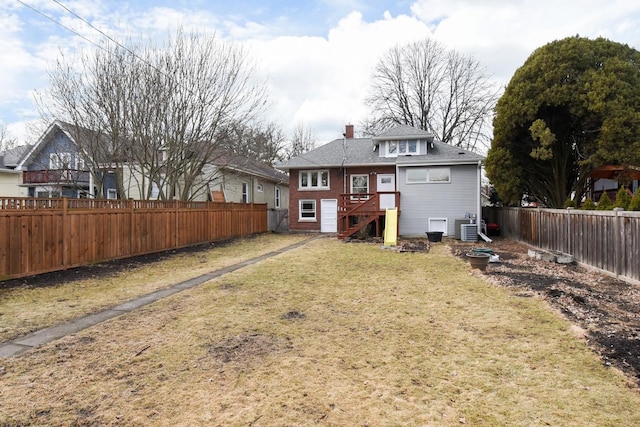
column 111, row 39
column 60, row 24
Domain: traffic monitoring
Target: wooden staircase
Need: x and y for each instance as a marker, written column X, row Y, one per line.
column 356, row 211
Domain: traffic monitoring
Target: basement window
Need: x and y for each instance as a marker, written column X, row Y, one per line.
column 307, row 210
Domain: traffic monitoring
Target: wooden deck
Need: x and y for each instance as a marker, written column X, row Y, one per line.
column 357, row 211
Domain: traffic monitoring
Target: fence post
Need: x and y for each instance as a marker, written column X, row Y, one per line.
column 65, row 237
column 131, row 225
column 569, row 234
column 617, row 241
column 175, row 233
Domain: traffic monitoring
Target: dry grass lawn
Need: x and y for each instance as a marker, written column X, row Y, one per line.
column 26, row 309
column 330, row 334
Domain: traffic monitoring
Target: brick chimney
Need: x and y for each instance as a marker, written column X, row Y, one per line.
column 349, row 132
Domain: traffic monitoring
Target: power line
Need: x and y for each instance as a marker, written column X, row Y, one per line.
column 60, row 24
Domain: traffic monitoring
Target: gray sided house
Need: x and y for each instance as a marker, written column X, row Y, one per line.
column 346, row 185
column 55, row 167
column 242, row 180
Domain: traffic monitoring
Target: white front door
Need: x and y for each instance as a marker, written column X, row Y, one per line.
column 328, row 216
column 387, row 182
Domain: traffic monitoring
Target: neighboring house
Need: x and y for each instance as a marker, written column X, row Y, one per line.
column 55, row 167
column 241, row 180
column 10, row 178
column 609, row 179
column 345, row 185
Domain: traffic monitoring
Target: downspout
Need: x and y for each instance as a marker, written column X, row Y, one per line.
column 479, row 201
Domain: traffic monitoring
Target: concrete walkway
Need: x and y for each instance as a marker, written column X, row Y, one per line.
column 20, row 345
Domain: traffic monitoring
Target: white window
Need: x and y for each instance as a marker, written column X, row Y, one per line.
column 307, row 210
column 360, row 184
column 408, row 147
column 314, row 179
column 80, row 165
column 431, row 175
column 392, row 147
column 112, row 193
column 59, row 160
column 155, row 190
column 439, row 175
column 245, row 192
column 278, row 197
column 416, row 175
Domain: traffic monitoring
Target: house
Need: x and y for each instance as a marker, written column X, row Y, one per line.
column 346, row 185
column 241, row 180
column 10, row 178
column 609, row 178
column 56, row 166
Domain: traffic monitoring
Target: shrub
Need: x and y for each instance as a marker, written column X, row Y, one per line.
column 622, row 199
column 604, row 204
column 634, row 205
column 570, row 203
column 588, row 205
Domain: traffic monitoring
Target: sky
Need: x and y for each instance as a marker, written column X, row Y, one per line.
column 317, row 56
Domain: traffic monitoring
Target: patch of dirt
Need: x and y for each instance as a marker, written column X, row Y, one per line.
column 246, row 349
column 608, row 309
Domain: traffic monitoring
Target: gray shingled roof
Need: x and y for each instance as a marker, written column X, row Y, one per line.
column 364, row 152
column 228, row 160
column 9, row 159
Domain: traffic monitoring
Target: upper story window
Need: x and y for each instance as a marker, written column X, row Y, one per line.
column 313, row 180
column 59, row 160
column 80, row 164
column 403, row 147
column 408, row 147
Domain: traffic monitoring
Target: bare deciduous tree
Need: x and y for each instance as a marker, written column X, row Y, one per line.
column 6, row 141
column 262, row 142
column 156, row 109
column 425, row 86
column 302, row 140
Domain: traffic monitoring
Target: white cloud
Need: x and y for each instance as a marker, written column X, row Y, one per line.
column 323, row 80
column 320, row 78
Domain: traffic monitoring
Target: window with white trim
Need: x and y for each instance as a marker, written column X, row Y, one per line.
column 360, row 184
column 408, row 146
column 59, row 160
column 112, row 193
column 278, row 200
column 392, row 148
column 307, row 210
column 80, row 165
column 245, row 192
column 416, row 175
column 437, row 175
column 428, row 175
column 313, row 179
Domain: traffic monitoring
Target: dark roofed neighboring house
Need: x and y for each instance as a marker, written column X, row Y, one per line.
column 243, row 180
column 346, row 185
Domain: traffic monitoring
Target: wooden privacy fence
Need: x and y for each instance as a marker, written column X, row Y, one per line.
column 42, row 235
column 606, row 240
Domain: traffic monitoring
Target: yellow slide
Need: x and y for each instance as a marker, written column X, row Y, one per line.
column 391, row 227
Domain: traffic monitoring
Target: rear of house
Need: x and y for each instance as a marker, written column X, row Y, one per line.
column 346, row 185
